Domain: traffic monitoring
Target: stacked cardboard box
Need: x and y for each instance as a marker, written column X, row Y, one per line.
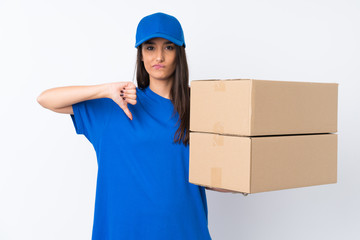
column 256, row 135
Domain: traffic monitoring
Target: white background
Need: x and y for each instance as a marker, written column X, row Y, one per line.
column 48, row 173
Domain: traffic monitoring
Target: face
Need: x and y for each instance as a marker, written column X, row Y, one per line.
column 158, row 55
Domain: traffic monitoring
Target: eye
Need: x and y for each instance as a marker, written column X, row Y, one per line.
column 170, row 47
column 150, row 48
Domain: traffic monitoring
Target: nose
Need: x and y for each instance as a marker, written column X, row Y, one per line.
column 160, row 55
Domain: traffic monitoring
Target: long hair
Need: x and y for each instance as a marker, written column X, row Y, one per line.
column 179, row 92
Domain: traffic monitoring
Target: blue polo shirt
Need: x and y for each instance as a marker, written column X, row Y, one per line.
column 142, row 189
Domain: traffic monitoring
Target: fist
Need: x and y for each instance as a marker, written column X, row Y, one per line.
column 123, row 93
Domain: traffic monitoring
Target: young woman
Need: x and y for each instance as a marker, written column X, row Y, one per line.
column 141, row 135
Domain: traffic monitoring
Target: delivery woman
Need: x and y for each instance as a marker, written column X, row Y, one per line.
column 141, row 135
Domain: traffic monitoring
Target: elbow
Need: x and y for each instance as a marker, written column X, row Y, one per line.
column 40, row 99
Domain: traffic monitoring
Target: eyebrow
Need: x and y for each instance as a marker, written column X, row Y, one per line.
column 150, row 42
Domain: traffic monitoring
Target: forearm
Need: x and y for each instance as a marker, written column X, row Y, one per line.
column 62, row 97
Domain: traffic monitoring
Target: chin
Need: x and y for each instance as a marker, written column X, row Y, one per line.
column 161, row 78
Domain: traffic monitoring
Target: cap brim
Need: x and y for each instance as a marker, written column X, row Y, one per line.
column 162, row 35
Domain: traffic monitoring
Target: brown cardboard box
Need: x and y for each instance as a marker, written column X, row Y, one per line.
column 261, row 107
column 258, row 164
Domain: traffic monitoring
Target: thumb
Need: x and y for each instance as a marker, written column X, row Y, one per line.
column 127, row 112
column 123, row 105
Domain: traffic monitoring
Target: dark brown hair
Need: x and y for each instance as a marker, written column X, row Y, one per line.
column 179, row 92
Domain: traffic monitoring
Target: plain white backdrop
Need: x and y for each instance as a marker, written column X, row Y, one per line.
column 48, row 173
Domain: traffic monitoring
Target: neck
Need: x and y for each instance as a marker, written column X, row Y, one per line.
column 161, row 87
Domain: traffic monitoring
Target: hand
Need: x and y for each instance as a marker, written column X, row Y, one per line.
column 123, row 93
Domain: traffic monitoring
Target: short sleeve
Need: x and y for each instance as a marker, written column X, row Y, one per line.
column 90, row 117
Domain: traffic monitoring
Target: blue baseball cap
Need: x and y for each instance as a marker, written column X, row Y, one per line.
column 159, row 25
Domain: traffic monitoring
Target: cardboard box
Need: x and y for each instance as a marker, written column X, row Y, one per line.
column 259, row 107
column 259, row 164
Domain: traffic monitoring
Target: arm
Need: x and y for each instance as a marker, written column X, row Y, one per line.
column 61, row 99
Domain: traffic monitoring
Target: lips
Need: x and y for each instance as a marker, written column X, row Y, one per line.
column 158, row 66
